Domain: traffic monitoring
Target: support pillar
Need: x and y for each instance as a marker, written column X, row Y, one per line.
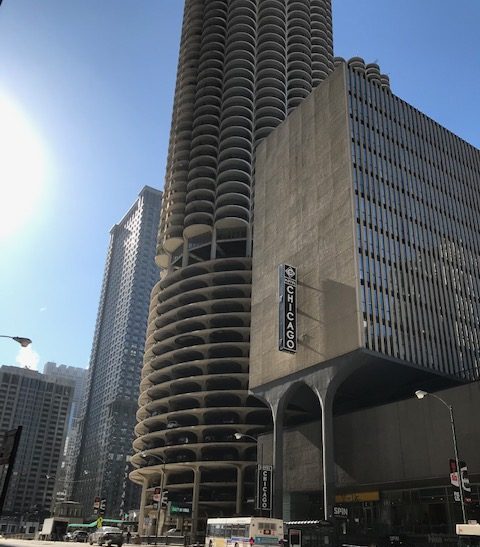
column 213, row 248
column 195, row 498
column 162, row 512
column 239, row 500
column 143, row 499
column 185, row 253
column 277, row 463
column 328, row 454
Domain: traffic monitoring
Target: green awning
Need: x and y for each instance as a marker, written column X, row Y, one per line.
column 77, row 525
column 104, row 521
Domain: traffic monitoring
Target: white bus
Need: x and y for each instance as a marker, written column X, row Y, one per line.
column 244, row 532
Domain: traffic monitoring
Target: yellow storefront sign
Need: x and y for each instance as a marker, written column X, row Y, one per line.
column 355, row 497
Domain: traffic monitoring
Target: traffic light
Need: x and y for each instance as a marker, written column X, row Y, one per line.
column 103, row 505
column 164, row 499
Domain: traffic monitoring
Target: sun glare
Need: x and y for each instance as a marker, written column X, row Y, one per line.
column 23, row 167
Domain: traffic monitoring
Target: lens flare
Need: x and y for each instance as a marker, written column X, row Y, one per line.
column 28, row 358
column 23, row 168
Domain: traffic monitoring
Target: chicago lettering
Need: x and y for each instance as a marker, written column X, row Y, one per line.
column 288, row 308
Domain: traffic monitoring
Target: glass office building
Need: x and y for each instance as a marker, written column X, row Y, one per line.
column 108, row 416
column 376, row 206
column 416, row 209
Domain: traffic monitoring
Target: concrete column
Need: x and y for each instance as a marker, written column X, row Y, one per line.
column 277, row 463
column 248, row 250
column 213, row 248
column 143, row 499
column 239, row 500
column 328, row 455
column 287, row 506
column 185, row 253
column 195, row 497
column 162, row 513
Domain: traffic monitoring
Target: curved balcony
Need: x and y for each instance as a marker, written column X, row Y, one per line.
column 243, row 65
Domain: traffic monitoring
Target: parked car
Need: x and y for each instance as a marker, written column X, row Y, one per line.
column 80, row 536
column 110, row 535
column 76, row 535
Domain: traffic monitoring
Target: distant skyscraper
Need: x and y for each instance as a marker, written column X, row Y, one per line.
column 41, row 405
column 244, row 65
column 66, row 470
column 116, row 359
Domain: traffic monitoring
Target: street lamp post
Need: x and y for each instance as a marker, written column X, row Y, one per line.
column 24, row 342
column 162, row 485
column 420, row 393
column 239, row 437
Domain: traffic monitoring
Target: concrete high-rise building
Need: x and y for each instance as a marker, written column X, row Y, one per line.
column 244, row 66
column 66, row 471
column 41, row 405
column 108, row 418
column 376, row 206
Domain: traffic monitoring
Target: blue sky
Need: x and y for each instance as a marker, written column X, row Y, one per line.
column 90, row 84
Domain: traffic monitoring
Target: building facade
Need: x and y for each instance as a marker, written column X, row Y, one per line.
column 244, row 66
column 376, row 205
column 108, row 416
column 66, row 471
column 392, row 470
column 41, row 405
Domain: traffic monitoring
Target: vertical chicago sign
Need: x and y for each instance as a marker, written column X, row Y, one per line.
column 287, row 308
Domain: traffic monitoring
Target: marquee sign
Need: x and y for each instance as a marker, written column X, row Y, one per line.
column 287, row 308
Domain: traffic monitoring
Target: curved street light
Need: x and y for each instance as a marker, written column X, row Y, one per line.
column 420, row 394
column 240, row 436
column 260, row 468
column 24, row 342
column 162, row 484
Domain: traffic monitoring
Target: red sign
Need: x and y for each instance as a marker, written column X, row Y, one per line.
column 456, row 478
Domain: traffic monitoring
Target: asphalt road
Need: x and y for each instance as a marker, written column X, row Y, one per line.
column 8, row 542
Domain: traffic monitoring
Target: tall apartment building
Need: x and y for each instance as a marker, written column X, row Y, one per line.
column 117, row 353
column 41, row 405
column 376, row 206
column 66, row 471
column 244, row 65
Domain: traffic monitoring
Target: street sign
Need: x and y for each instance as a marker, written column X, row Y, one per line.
column 287, row 293
column 455, row 478
column 264, row 487
column 340, row 512
column 99, row 522
column 180, row 509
